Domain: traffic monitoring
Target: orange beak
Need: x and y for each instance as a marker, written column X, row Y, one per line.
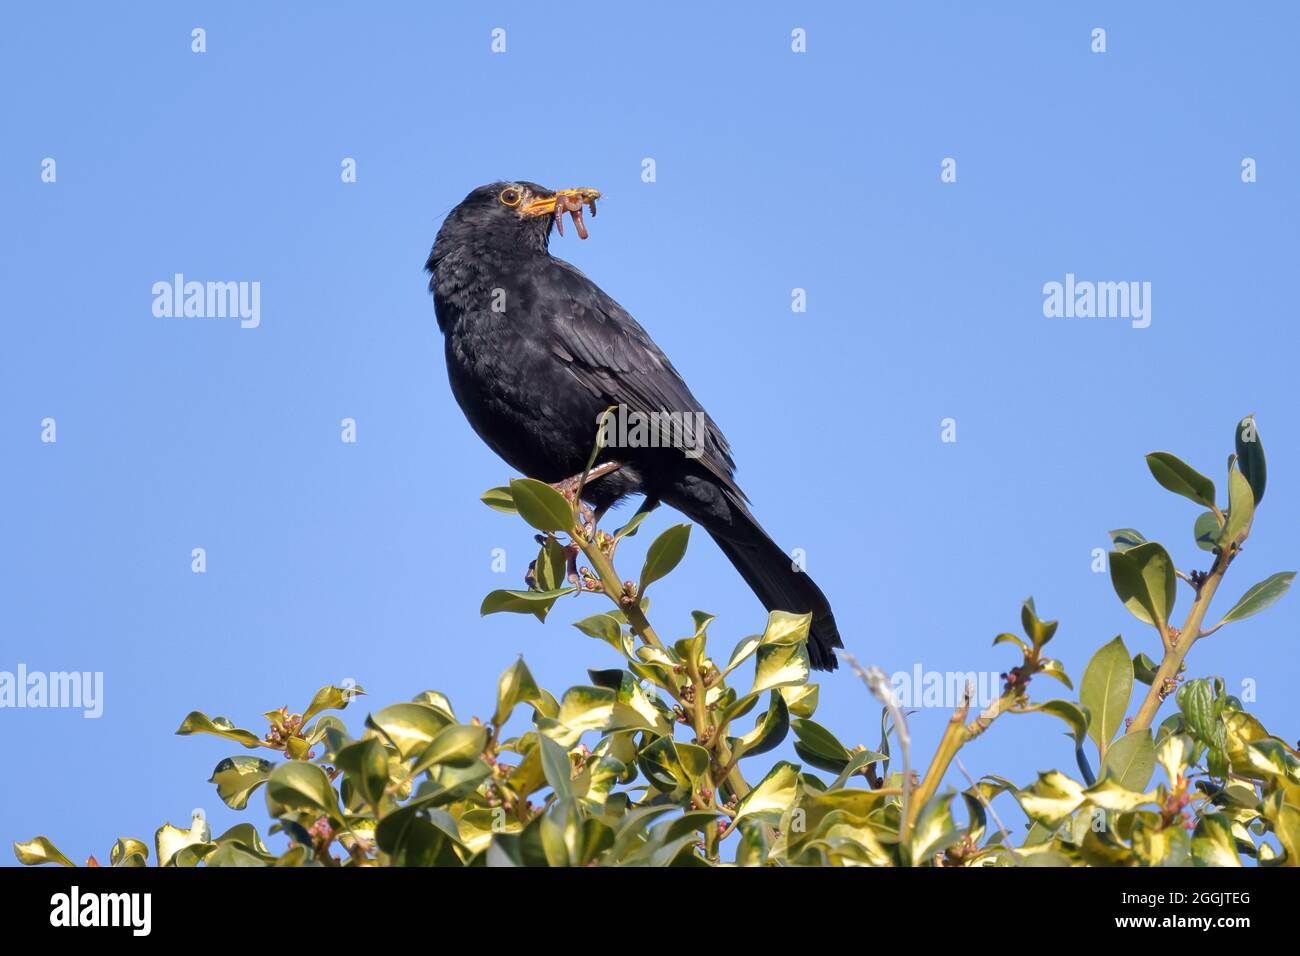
column 565, row 201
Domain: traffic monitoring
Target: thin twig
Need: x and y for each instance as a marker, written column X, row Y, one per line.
column 878, row 684
column 1006, row 834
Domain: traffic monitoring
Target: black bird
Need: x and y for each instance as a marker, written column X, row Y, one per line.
column 536, row 353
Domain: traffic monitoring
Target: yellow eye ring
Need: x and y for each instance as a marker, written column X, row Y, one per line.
column 510, row 197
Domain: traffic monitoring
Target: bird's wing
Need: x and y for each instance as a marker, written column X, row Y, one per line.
column 611, row 355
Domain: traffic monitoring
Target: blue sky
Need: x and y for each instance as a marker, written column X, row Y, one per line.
column 775, row 171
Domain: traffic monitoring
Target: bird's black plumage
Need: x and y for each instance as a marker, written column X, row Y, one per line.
column 536, row 352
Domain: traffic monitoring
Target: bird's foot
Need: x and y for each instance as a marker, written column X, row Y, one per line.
column 569, row 487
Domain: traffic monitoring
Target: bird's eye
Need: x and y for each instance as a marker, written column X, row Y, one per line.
column 510, row 197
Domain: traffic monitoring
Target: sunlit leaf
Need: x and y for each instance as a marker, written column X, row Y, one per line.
column 1181, row 478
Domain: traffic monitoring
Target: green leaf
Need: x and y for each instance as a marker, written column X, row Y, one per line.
column 237, row 777
column 169, row 841
column 1250, row 457
column 779, row 665
column 1038, row 631
column 1213, row 843
column 536, row 603
column 1206, row 531
column 458, row 745
column 1074, row 715
column 1181, row 478
column 935, row 829
column 330, row 698
column 366, row 764
column 1241, row 508
column 1054, row 668
column 1011, row 639
column 769, row 730
column 604, row 627
column 500, row 499
column 1051, row 799
column 1144, row 579
column 541, row 505
column 773, row 794
column 127, row 850
column 1262, row 595
column 1125, row 539
column 664, row 554
column 515, row 686
column 1203, row 709
column 786, row 627
column 557, row 767
column 299, row 787
column 408, row 727
column 1107, row 684
column 1130, row 761
column 40, row 850
column 551, row 569
column 1144, row 669
column 818, row 746
column 200, row 723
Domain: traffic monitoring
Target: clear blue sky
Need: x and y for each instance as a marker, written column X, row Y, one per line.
column 328, row 561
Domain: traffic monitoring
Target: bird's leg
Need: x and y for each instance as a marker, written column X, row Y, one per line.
column 569, row 488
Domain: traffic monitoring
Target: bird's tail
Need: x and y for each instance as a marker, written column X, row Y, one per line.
column 771, row 575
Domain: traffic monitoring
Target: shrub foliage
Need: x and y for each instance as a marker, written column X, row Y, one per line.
column 659, row 762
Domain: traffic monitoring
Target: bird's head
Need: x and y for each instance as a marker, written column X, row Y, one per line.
column 514, row 216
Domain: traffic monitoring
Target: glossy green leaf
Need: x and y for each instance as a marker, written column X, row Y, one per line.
column 1038, row 631
column 536, row 603
column 541, row 505
column 557, row 767
column 1261, row 596
column 457, row 745
column 1130, row 761
column 500, row 499
column 237, row 777
column 1181, row 478
column 128, row 849
column 1206, row 531
column 330, row 698
column 1144, row 579
column 366, row 764
column 1105, row 690
column 1144, row 669
column 1125, row 539
column 935, row 829
column 1068, row 711
column 1250, row 457
column 773, row 794
column 515, row 686
column 1241, row 508
column 169, row 841
column 299, row 787
column 1213, row 843
column 664, row 554
column 408, row 727
column 40, row 850
column 200, row 723
column 769, row 730
column 778, row 665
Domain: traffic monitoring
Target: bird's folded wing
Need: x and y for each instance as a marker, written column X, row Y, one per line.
column 611, row 355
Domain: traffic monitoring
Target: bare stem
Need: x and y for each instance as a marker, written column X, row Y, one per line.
column 1176, row 651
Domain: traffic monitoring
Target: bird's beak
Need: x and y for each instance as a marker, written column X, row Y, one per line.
column 562, row 201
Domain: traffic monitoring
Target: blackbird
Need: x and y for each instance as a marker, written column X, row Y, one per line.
column 537, row 353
